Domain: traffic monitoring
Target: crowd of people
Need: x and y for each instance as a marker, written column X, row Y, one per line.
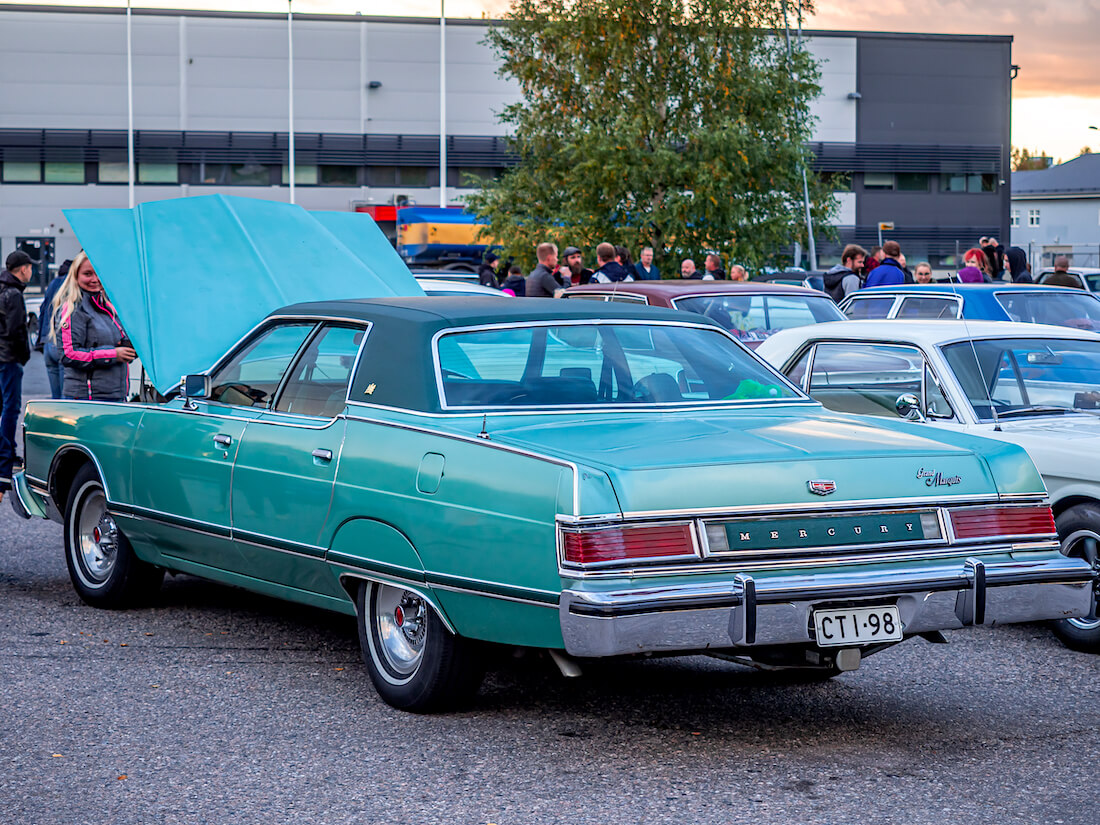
column 613, row 264
column 886, row 265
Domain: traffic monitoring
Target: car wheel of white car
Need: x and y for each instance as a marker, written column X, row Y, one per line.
column 103, row 567
column 415, row 663
column 1079, row 530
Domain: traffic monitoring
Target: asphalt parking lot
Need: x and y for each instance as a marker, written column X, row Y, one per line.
column 215, row 706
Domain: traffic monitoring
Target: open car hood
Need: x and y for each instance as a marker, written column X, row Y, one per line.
column 190, row 276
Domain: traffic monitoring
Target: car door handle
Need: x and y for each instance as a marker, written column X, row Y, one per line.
column 323, row 455
column 223, row 440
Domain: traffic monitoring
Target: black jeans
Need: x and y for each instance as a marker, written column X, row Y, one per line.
column 11, row 403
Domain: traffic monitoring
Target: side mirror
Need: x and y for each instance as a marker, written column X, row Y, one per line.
column 908, row 406
column 195, row 386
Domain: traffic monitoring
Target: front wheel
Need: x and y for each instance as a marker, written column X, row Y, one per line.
column 103, row 567
column 415, row 663
column 1079, row 530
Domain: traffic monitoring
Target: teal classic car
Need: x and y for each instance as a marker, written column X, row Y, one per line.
column 595, row 480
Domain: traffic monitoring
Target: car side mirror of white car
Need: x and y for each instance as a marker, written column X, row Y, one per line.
column 908, row 406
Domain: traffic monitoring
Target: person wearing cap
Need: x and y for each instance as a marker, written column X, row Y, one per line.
column 574, row 268
column 51, row 354
column 15, row 351
column 487, row 272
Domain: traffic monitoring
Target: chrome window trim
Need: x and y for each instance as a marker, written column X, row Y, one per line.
column 944, row 296
column 567, row 567
column 518, row 411
column 851, row 299
column 686, row 405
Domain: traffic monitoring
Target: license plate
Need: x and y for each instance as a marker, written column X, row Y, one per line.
column 857, row 625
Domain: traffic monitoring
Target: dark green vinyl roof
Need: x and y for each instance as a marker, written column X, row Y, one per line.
column 398, row 365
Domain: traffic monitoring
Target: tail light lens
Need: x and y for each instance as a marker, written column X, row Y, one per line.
column 611, row 544
column 987, row 522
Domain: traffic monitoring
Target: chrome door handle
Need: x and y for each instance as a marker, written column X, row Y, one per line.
column 222, row 440
column 324, row 455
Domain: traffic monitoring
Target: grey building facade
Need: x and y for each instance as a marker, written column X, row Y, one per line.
column 1056, row 211
column 913, row 129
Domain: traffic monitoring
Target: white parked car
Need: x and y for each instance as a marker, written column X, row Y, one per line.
column 1033, row 385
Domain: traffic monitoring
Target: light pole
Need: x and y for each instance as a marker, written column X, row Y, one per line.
column 442, row 105
column 290, row 96
column 130, row 104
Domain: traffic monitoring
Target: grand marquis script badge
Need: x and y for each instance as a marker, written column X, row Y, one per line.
column 821, row 487
column 935, row 479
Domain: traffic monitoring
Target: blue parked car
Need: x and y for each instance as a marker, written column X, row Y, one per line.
column 1062, row 306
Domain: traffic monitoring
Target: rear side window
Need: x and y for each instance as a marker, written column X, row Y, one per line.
column 869, row 307
column 925, row 307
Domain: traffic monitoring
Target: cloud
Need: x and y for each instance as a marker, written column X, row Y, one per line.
column 1054, row 41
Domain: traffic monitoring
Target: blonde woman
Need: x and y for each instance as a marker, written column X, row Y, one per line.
column 94, row 347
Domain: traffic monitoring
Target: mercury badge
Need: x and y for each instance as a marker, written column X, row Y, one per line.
column 821, row 487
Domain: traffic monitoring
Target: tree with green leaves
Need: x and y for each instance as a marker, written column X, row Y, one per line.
column 677, row 124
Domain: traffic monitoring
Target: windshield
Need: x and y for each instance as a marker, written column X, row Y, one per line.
column 1093, row 281
column 755, row 317
column 1027, row 376
column 1065, row 309
column 599, row 364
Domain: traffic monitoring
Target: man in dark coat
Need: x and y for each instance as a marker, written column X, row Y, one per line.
column 713, row 265
column 574, row 261
column 645, row 269
column 544, row 281
column 487, row 272
column 15, row 351
column 1016, row 259
column 609, row 271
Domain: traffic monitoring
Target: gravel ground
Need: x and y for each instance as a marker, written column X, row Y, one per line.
column 218, row 706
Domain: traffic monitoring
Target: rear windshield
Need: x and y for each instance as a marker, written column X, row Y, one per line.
column 1080, row 310
column 755, row 317
column 600, row 364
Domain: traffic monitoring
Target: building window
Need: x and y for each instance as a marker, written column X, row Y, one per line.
column 878, row 180
column 1033, row 217
column 837, row 181
column 158, row 173
column 64, row 172
column 1014, row 218
column 468, row 177
column 234, row 174
column 338, row 175
column 18, row 171
column 968, row 183
column 113, row 171
column 912, row 182
column 418, row 175
column 381, row 176
column 304, row 174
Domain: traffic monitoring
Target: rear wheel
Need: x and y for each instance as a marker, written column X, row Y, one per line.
column 103, row 567
column 415, row 663
column 1079, row 530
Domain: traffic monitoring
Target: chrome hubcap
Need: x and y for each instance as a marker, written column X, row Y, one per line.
column 401, row 618
column 1085, row 544
column 97, row 538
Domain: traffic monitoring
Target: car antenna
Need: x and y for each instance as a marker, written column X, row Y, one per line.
column 974, row 352
column 484, row 433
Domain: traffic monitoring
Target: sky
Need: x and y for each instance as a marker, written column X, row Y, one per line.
column 1056, row 96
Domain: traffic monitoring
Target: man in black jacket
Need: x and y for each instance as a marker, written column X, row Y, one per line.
column 487, row 272
column 15, row 351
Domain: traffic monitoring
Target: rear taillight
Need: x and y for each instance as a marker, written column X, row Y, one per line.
column 609, row 544
column 988, row 522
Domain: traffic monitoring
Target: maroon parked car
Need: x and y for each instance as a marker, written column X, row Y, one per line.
column 751, row 311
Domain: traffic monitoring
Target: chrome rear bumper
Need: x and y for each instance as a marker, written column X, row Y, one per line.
column 777, row 609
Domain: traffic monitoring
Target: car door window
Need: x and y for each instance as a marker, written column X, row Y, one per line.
column 869, row 307
column 318, row 382
column 865, row 378
column 924, row 307
column 252, row 376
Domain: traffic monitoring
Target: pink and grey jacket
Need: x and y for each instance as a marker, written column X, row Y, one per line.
column 87, row 340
